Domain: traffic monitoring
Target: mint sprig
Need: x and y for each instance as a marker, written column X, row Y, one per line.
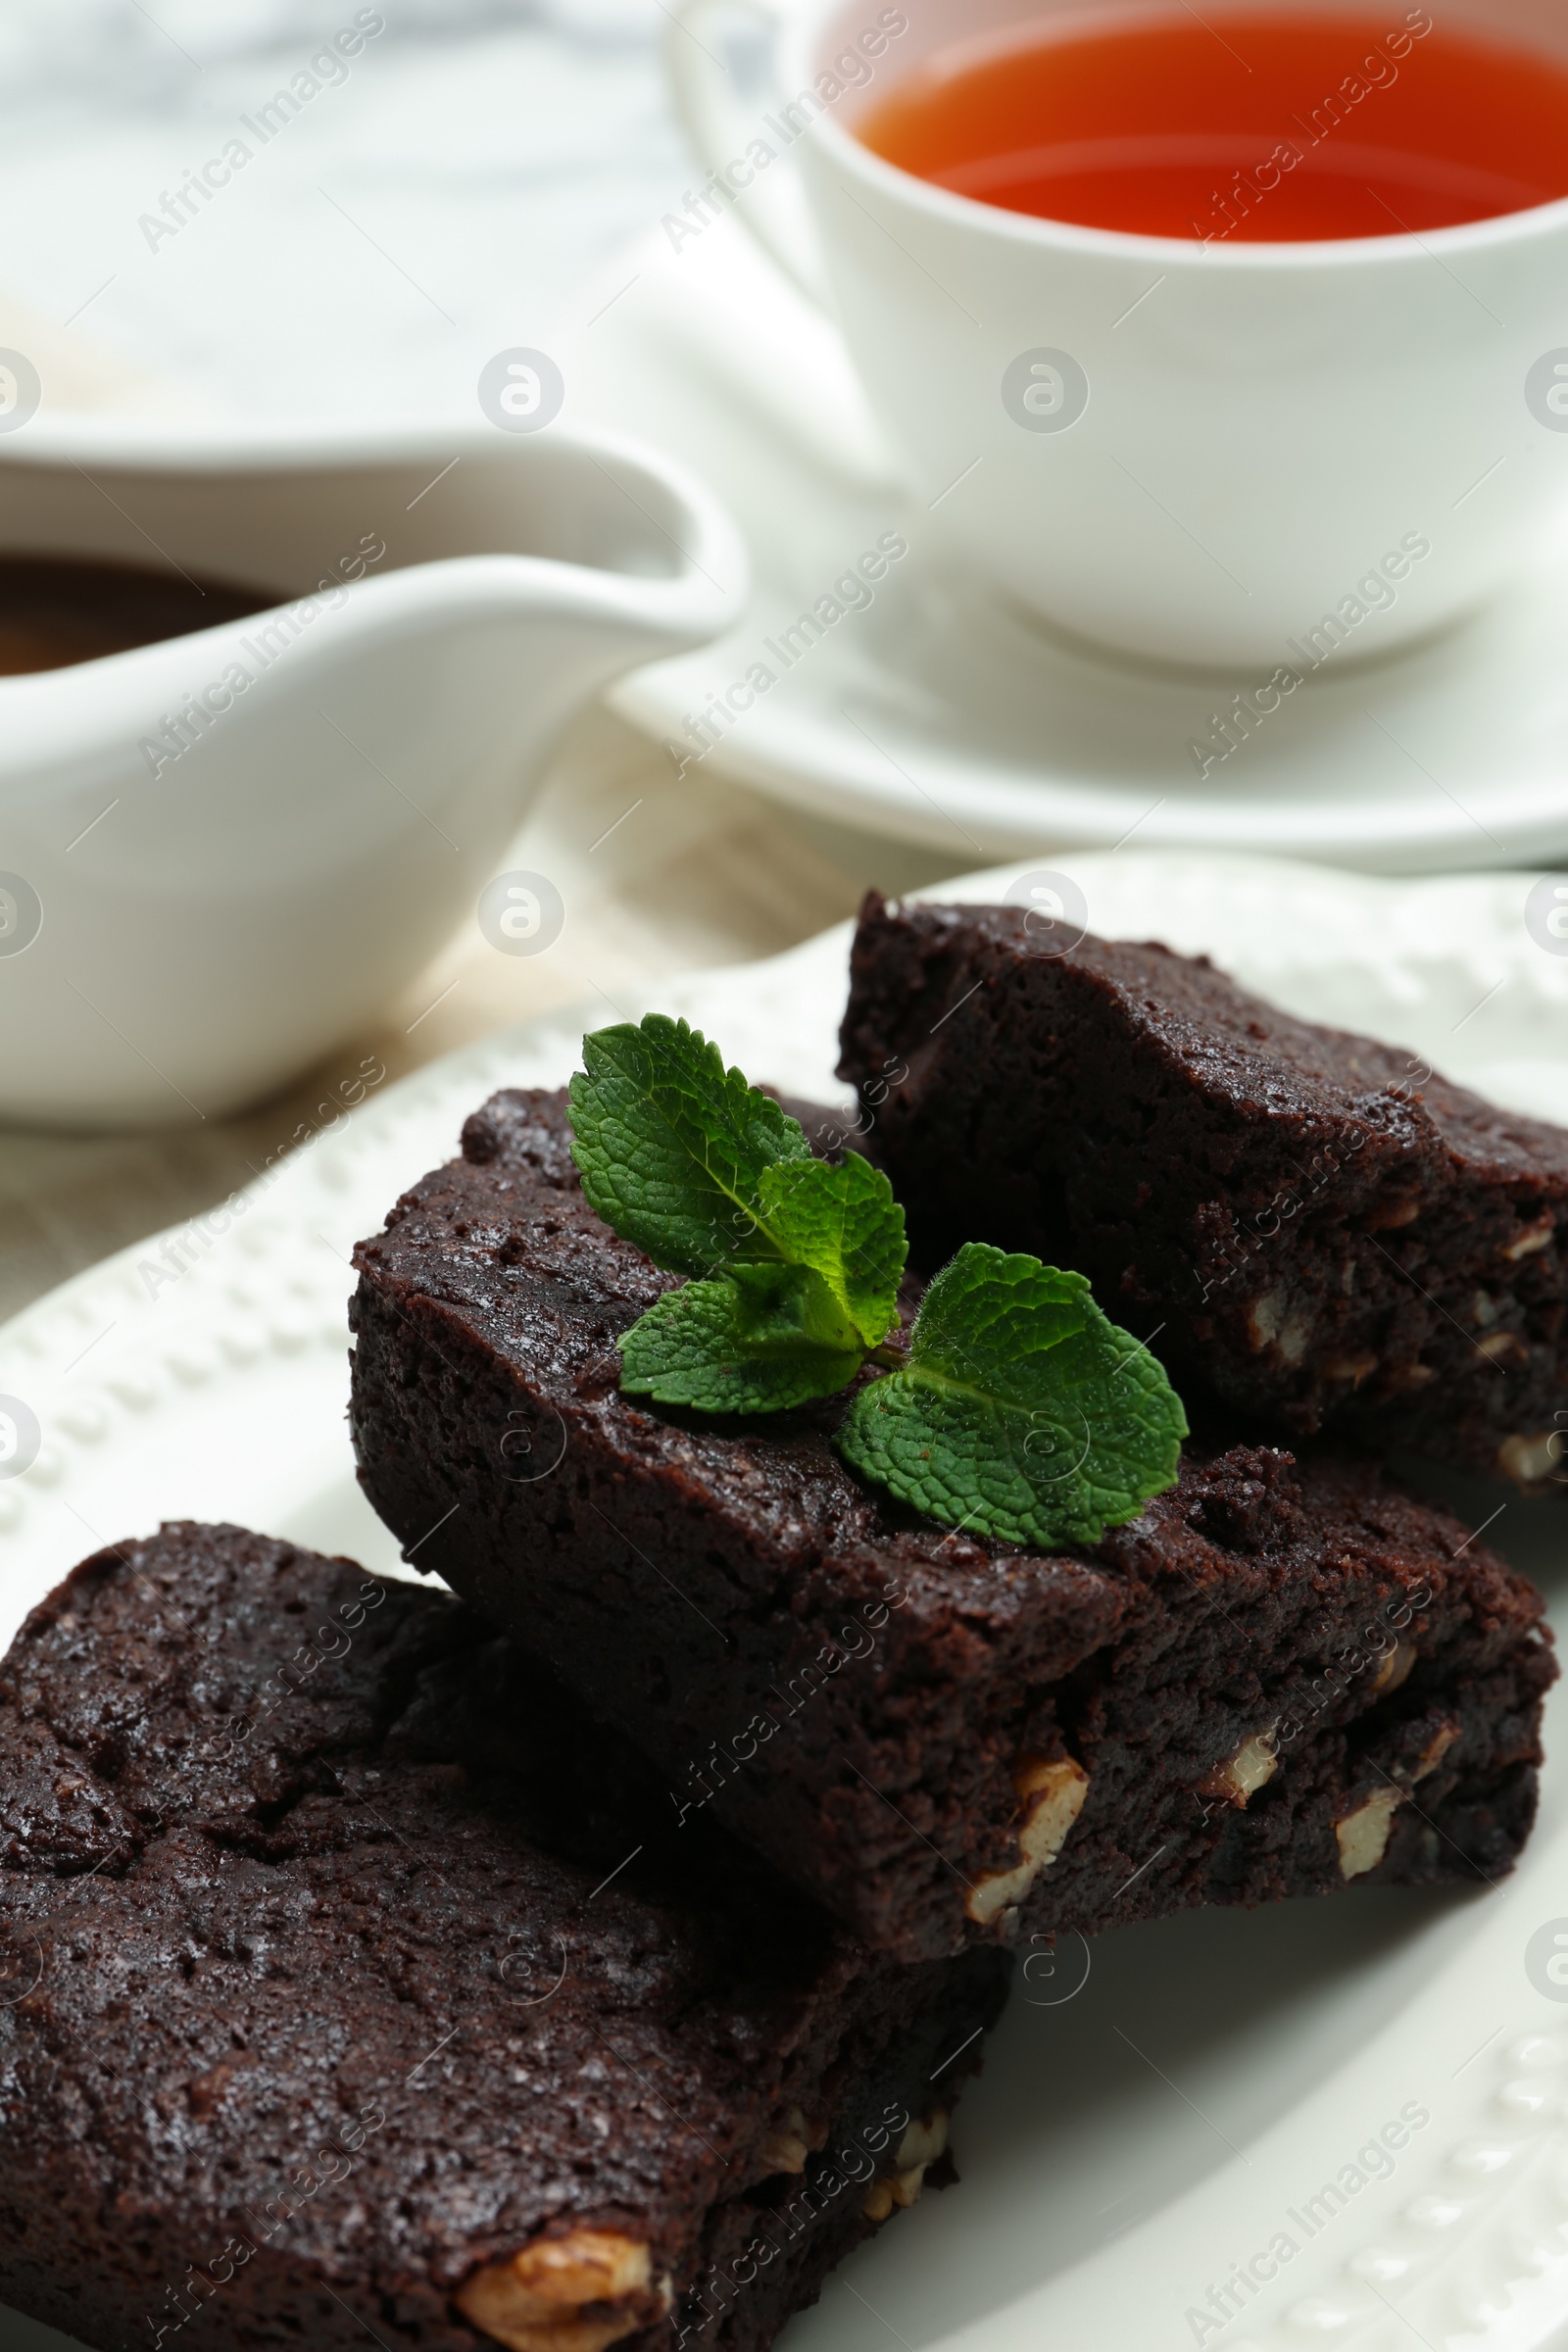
column 673, row 1147
column 842, row 1221
column 759, row 1341
column 1019, row 1409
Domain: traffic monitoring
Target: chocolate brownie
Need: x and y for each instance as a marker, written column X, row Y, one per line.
column 1324, row 1234
column 355, row 1986
column 946, row 1739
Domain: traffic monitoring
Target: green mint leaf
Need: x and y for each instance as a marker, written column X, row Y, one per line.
column 673, row 1147
column 1022, row 1411
column 705, row 1173
column 844, row 1222
column 759, row 1341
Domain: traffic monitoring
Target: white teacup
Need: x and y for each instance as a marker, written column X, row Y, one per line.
column 1192, row 453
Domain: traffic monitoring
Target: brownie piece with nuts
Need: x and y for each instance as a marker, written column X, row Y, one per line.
column 1322, row 1233
column 353, row 1986
column 1274, row 1681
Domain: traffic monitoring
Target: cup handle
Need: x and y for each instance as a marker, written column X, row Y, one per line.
column 772, row 206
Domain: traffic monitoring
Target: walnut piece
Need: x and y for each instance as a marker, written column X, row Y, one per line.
column 1437, row 1747
column 924, row 2142
column 1255, row 1761
column 786, row 2151
column 920, row 2146
column 1538, row 1236
column 1353, row 1368
column 1530, row 1460
column 1363, row 1836
column 1270, row 1325
column 536, row 2300
column 1051, row 1793
column 1394, row 1210
column 1394, row 1669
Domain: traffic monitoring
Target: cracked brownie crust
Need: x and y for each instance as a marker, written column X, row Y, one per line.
column 1329, row 1235
column 943, row 1739
column 351, row 1979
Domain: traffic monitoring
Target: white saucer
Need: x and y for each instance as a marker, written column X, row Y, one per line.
column 1130, row 2144
column 940, row 717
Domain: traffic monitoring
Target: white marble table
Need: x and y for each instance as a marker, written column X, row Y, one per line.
column 457, row 190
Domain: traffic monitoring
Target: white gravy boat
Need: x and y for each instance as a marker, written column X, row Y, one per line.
column 220, row 853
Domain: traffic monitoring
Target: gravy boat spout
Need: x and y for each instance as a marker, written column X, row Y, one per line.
column 220, row 853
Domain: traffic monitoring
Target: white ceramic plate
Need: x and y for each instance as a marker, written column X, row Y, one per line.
column 938, row 716
column 1132, row 2139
